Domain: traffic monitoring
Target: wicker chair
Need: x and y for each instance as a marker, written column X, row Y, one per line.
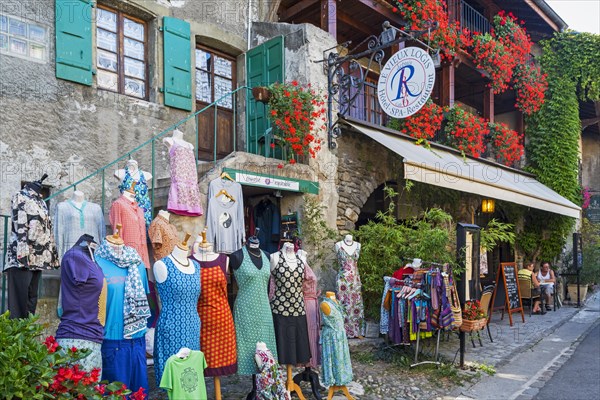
column 485, row 305
column 526, row 294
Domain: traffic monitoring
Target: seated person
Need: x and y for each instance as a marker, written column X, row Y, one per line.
column 546, row 276
column 527, row 273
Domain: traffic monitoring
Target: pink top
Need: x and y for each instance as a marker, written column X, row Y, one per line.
column 184, row 195
column 131, row 217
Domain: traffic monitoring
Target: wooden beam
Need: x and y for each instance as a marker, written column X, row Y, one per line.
column 590, row 121
column 329, row 17
column 273, row 11
column 542, row 14
column 447, row 84
column 488, row 104
column 382, row 8
column 293, row 11
column 342, row 16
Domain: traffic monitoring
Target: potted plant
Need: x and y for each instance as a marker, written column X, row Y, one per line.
column 297, row 112
column 474, row 318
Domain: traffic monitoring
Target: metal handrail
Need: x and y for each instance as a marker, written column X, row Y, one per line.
column 151, row 142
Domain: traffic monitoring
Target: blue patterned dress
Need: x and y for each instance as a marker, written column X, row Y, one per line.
column 335, row 354
column 141, row 193
column 252, row 312
column 178, row 324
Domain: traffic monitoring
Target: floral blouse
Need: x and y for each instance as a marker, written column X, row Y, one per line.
column 141, row 193
column 32, row 244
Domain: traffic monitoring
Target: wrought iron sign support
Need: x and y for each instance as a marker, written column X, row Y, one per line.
column 346, row 78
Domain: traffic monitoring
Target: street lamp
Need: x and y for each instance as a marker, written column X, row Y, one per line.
column 488, row 206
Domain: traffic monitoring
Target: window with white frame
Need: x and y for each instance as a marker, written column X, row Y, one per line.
column 22, row 38
column 121, row 53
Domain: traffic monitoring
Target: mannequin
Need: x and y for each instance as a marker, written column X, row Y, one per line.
column 165, row 214
column 270, row 380
column 127, row 311
column 31, row 248
column 163, row 235
column 215, row 314
column 349, row 286
column 78, row 197
column 134, row 171
column 178, row 284
column 126, row 211
column 252, row 312
column 337, row 368
column 184, row 194
column 289, row 312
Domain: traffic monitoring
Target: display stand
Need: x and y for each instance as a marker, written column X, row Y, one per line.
column 437, row 348
column 506, row 281
column 293, row 386
column 308, row 375
column 217, row 387
column 344, row 389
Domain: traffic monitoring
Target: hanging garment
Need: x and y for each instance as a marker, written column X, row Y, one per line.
column 266, row 217
column 225, row 218
column 82, row 282
column 135, row 310
column 178, row 324
column 336, row 364
column 163, row 236
column 349, row 292
column 252, row 312
column 218, row 331
column 183, row 378
column 270, row 382
column 141, row 193
column 72, row 221
column 313, row 316
column 133, row 228
column 289, row 312
column 32, row 244
column 184, row 194
column 384, row 321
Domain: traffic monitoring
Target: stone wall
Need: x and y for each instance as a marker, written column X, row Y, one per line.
column 591, row 162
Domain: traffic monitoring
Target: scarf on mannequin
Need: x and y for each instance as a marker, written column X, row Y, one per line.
column 135, row 307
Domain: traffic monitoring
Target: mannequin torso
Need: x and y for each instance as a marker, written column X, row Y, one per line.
column 164, row 214
column 129, row 196
column 177, row 138
column 180, row 260
column 348, row 244
column 78, row 198
column 289, row 257
column 134, row 171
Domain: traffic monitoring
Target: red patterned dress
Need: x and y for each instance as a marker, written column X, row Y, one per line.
column 217, row 334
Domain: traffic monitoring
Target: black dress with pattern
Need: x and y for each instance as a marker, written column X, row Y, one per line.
column 289, row 313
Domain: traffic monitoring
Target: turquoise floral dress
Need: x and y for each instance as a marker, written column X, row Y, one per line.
column 336, row 365
column 141, row 193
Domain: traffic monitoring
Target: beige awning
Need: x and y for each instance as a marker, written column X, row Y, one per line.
column 442, row 166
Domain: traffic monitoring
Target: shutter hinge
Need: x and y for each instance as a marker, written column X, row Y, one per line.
column 94, row 71
column 162, row 90
column 161, row 29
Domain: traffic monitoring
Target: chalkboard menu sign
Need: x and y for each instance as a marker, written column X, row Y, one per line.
column 506, row 294
column 593, row 211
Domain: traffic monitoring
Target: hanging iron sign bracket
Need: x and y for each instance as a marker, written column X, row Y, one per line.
column 345, row 76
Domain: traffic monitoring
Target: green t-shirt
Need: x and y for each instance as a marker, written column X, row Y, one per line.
column 183, row 378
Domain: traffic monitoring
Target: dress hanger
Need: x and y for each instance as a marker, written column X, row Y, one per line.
column 225, row 175
column 224, row 192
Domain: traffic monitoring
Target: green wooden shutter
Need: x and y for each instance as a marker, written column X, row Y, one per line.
column 264, row 66
column 74, row 40
column 177, row 63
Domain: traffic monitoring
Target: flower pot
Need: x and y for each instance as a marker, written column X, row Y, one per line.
column 261, row 93
column 572, row 289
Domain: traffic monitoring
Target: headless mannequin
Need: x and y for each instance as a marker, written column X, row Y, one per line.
column 236, row 259
column 134, row 171
column 348, row 244
column 326, row 309
column 78, row 198
column 177, row 137
column 129, row 194
column 164, row 214
column 179, row 256
column 291, row 263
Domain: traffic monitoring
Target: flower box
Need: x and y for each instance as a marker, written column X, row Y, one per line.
column 473, row 325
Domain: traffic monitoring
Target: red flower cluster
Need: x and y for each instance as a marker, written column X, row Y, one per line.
column 493, row 57
column 473, row 311
column 298, row 112
column 424, row 124
column 507, row 144
column 530, row 86
column 51, row 344
column 449, row 36
column 465, row 131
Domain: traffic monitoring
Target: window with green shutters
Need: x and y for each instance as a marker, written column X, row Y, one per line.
column 177, row 63
column 74, row 40
column 264, row 66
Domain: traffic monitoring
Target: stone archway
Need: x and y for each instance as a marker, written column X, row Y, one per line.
column 363, row 166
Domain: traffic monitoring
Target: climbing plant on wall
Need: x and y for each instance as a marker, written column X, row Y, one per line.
column 570, row 60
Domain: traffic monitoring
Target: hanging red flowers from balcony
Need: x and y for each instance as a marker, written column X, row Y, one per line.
column 506, row 145
column 297, row 112
column 465, row 131
column 422, row 125
column 530, row 86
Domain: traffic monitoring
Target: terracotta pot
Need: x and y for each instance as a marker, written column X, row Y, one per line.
column 472, row 325
column 261, row 93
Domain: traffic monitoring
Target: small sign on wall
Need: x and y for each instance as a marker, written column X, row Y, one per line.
column 406, row 82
